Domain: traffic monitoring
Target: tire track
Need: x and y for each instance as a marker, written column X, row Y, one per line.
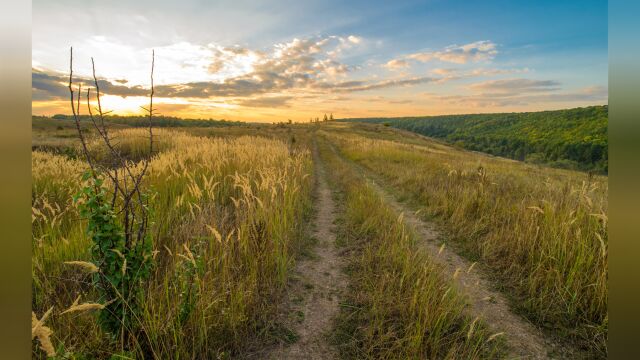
column 523, row 339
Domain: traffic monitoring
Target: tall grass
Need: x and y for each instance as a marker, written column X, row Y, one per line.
column 400, row 304
column 228, row 218
column 542, row 231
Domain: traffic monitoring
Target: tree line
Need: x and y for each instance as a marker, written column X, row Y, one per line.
column 158, row 121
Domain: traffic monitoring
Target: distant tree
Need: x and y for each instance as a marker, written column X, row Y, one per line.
column 317, row 119
column 325, row 118
column 331, row 117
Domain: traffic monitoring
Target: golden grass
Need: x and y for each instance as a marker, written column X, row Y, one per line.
column 542, row 231
column 228, row 216
column 42, row 333
column 400, row 304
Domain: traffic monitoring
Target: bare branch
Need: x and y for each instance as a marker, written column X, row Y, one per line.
column 75, row 114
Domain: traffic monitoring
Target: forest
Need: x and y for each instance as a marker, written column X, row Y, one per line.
column 571, row 139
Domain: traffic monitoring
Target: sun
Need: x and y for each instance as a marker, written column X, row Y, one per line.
column 130, row 105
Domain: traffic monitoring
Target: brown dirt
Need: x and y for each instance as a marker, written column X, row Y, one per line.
column 523, row 339
column 319, row 282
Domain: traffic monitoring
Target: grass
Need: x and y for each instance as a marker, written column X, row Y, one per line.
column 238, row 205
column 230, row 209
column 542, row 231
column 399, row 305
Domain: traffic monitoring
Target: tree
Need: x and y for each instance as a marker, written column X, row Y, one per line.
column 325, row 118
column 118, row 218
column 331, row 117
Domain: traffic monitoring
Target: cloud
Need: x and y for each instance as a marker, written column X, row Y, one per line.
column 441, row 71
column 400, row 101
column 389, row 83
column 53, row 86
column 265, row 101
column 310, row 64
column 473, row 52
column 457, row 54
column 397, row 64
column 515, row 86
column 357, row 85
column 354, row 39
column 216, row 66
column 588, row 95
column 491, row 72
column 596, row 90
column 451, row 73
column 47, row 86
column 237, row 71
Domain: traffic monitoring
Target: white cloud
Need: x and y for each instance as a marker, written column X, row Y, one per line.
column 354, row 39
column 473, row 52
column 196, row 71
column 458, row 54
column 397, row 64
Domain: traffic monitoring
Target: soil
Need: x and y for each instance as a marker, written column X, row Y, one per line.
column 319, row 283
column 523, row 339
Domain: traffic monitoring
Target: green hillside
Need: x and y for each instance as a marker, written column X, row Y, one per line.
column 572, row 138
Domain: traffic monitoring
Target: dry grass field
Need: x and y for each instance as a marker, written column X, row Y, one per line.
column 328, row 240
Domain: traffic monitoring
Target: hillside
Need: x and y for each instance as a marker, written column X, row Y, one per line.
column 572, row 138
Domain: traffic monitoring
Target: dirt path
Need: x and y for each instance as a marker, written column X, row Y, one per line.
column 321, row 281
column 524, row 340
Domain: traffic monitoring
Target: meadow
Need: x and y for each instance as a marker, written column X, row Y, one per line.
column 233, row 209
column 400, row 305
column 228, row 218
column 542, row 232
column 569, row 139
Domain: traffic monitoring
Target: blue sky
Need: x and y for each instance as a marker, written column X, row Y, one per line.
column 259, row 60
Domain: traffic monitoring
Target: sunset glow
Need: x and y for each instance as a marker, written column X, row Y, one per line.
column 254, row 63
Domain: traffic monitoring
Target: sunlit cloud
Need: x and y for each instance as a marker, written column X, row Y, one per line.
column 477, row 72
column 309, row 64
column 473, row 52
column 397, row 64
column 516, row 86
column 353, row 86
column 248, row 61
column 266, row 101
column 443, row 72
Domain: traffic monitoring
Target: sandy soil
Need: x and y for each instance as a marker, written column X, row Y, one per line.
column 320, row 282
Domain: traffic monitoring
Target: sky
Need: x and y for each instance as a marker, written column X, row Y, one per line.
column 270, row 61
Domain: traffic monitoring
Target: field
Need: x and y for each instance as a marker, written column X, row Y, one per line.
column 324, row 240
column 570, row 139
